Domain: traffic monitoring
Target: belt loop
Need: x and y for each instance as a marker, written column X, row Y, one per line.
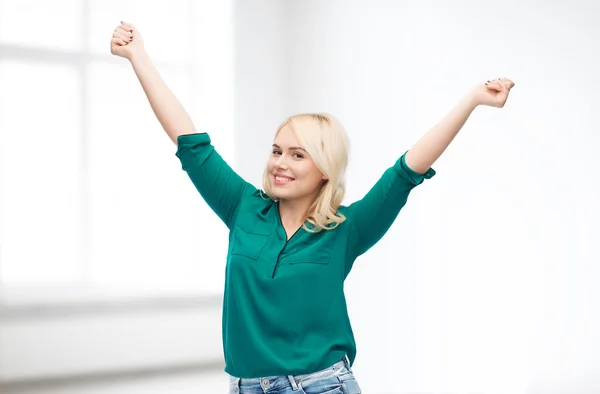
column 347, row 361
column 293, row 382
column 237, row 385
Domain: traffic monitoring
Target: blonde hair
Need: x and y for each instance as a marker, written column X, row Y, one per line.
column 327, row 143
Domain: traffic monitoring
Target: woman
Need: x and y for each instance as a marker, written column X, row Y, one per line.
column 285, row 322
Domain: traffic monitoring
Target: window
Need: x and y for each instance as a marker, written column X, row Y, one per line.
column 92, row 196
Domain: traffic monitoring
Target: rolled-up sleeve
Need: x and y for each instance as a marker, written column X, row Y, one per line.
column 372, row 216
column 414, row 176
column 218, row 184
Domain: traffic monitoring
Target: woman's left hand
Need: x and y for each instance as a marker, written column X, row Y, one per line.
column 492, row 93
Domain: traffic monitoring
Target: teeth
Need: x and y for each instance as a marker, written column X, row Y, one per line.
column 280, row 179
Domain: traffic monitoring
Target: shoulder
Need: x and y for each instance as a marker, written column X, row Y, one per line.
column 255, row 204
column 344, row 210
column 258, row 198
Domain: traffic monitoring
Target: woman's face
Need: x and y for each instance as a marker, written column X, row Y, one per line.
column 292, row 172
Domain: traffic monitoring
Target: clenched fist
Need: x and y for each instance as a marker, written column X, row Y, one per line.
column 492, row 93
column 126, row 41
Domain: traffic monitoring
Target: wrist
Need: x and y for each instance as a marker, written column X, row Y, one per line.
column 470, row 100
column 138, row 56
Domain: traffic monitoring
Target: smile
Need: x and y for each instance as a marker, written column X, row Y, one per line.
column 282, row 180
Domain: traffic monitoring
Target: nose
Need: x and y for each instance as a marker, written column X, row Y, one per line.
column 281, row 162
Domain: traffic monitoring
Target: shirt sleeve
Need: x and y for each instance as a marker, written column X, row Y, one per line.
column 372, row 216
column 219, row 185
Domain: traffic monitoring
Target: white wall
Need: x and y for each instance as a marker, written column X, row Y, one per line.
column 485, row 282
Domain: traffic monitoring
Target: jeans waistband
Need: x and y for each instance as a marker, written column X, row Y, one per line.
column 293, row 379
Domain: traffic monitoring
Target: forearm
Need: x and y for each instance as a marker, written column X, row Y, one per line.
column 168, row 110
column 431, row 146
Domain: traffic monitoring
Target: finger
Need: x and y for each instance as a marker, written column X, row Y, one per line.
column 123, row 30
column 504, row 86
column 123, row 33
column 118, row 41
column 498, row 83
column 127, row 26
column 122, row 37
column 494, row 85
column 509, row 84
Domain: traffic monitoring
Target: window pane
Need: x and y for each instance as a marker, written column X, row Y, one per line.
column 151, row 231
column 164, row 26
column 40, row 228
column 21, row 22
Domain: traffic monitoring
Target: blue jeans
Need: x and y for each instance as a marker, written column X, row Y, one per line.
column 338, row 379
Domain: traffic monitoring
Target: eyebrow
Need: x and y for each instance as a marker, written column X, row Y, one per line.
column 290, row 148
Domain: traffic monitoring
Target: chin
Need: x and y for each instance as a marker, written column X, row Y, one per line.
column 282, row 194
column 279, row 195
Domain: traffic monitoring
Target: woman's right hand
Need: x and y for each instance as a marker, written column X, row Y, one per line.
column 126, row 41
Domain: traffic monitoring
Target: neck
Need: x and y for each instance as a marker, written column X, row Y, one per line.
column 293, row 212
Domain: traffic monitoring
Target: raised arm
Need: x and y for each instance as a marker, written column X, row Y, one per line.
column 431, row 146
column 127, row 42
column 372, row 216
column 220, row 186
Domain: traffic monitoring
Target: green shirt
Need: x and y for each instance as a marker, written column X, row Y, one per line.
column 284, row 309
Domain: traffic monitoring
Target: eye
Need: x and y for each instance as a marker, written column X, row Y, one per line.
column 298, row 155
column 276, row 152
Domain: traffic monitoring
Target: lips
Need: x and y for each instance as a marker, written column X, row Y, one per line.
column 282, row 179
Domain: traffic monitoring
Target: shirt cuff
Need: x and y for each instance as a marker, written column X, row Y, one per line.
column 414, row 176
column 186, row 141
column 193, row 149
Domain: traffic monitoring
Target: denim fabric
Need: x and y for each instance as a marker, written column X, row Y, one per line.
column 337, row 379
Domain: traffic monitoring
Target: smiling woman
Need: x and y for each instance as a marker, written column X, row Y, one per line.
column 305, row 172
column 285, row 323
column 278, row 249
